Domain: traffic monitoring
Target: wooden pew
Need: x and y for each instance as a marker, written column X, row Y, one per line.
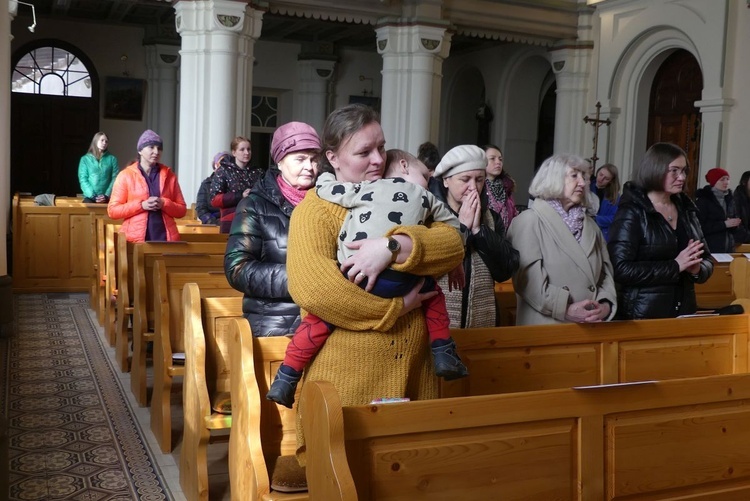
column 169, row 277
column 207, row 372
column 739, row 269
column 143, row 257
column 680, row 439
column 541, row 357
column 96, row 298
column 190, row 232
column 262, row 431
column 505, row 297
column 52, row 245
column 124, row 286
column 716, row 291
column 111, row 232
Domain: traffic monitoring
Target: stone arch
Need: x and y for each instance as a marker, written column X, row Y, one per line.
column 521, row 91
column 466, row 92
column 629, row 91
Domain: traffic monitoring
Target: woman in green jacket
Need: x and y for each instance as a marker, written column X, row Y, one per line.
column 97, row 171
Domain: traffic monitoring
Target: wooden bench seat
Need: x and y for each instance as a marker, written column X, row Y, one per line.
column 52, row 245
column 541, row 357
column 170, row 276
column 261, row 430
column 717, row 291
column 182, row 256
column 207, row 373
column 96, row 291
column 679, row 439
column 125, row 278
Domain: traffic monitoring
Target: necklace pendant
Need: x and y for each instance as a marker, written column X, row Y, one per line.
column 669, row 218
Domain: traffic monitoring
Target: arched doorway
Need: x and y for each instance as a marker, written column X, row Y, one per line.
column 673, row 117
column 54, row 115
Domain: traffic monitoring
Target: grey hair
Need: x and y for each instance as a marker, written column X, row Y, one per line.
column 549, row 181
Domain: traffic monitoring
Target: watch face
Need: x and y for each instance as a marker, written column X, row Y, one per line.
column 393, row 245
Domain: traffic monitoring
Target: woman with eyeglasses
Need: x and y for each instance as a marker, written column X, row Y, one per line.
column 655, row 242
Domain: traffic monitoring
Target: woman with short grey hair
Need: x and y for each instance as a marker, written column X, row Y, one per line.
column 565, row 274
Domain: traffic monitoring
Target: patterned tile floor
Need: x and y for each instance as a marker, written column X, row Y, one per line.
column 74, row 430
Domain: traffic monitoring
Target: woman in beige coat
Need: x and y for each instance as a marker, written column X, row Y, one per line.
column 565, row 274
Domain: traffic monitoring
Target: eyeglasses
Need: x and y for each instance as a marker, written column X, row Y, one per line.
column 675, row 172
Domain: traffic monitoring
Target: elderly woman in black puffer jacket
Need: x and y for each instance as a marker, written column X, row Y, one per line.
column 255, row 259
column 656, row 244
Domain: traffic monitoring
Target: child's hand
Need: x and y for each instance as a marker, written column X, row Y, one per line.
column 456, row 278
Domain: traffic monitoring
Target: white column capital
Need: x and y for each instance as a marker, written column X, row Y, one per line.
column 211, row 15
column 162, row 56
column 413, row 39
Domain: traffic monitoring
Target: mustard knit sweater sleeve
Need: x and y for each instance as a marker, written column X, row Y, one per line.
column 317, row 284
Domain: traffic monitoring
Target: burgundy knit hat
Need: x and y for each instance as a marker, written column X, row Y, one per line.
column 149, row 138
column 291, row 137
column 715, row 174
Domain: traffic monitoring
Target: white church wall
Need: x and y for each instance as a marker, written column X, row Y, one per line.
column 513, row 76
column 737, row 159
column 633, row 37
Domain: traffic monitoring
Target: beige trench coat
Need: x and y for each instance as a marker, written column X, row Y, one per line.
column 555, row 269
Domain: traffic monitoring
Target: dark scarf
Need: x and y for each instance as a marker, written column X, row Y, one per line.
column 496, row 197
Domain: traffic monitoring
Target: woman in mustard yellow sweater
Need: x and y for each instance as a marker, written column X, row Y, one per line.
column 380, row 347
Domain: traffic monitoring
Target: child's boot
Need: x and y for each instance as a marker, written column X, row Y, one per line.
column 448, row 365
column 284, row 385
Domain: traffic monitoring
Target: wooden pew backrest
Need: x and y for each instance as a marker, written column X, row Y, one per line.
column 540, row 357
column 206, row 372
column 261, row 430
column 169, row 337
column 679, row 439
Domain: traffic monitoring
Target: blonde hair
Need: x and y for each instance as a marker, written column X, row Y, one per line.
column 94, row 146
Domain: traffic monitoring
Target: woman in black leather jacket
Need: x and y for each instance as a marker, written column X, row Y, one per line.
column 255, row 259
column 655, row 242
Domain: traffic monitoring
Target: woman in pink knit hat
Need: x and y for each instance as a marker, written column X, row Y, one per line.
column 255, row 259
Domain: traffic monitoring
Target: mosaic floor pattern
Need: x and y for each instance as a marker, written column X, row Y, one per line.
column 72, row 435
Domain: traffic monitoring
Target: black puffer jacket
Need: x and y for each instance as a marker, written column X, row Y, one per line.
column 712, row 217
column 643, row 248
column 255, row 259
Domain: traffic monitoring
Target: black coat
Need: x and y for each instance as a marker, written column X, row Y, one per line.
column 712, row 217
column 742, row 209
column 643, row 247
column 255, row 259
column 207, row 213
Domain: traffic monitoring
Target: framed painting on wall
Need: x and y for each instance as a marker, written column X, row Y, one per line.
column 123, row 98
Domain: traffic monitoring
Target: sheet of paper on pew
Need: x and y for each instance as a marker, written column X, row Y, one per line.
column 614, row 385
column 389, row 400
column 722, row 258
column 700, row 314
column 746, row 254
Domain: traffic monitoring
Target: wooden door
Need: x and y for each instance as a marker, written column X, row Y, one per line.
column 673, row 117
column 49, row 134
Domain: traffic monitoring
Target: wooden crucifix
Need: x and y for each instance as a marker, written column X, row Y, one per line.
column 596, row 122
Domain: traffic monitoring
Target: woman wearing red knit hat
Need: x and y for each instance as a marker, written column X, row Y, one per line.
column 716, row 213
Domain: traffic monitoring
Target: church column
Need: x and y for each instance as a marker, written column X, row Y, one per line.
column 249, row 33
column 310, row 105
column 162, row 65
column 714, row 115
column 210, row 32
column 6, row 16
column 571, row 65
column 412, row 72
